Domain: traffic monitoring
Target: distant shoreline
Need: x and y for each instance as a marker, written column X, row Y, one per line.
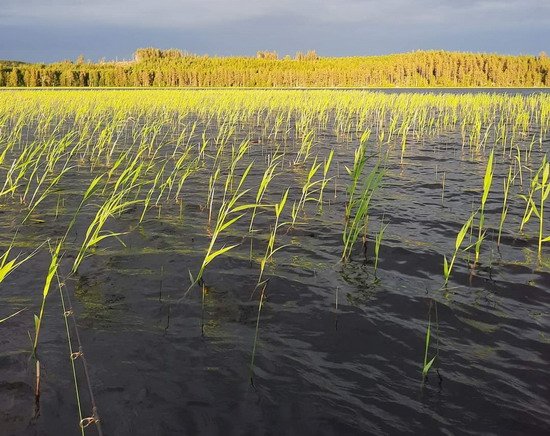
column 176, row 69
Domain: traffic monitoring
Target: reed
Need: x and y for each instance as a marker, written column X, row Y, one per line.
column 228, row 214
column 504, row 212
column 428, row 363
column 52, row 270
column 544, row 189
column 448, row 265
column 540, row 183
column 357, row 206
column 487, row 182
column 12, row 315
column 325, row 180
column 270, row 251
column 95, row 233
column 7, row 267
column 248, row 153
column 377, row 243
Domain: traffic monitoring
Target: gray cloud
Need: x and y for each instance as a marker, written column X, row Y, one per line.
column 146, row 13
column 55, row 29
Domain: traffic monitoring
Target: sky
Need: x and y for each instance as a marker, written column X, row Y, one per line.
column 52, row 30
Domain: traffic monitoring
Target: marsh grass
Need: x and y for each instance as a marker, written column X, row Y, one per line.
column 156, row 152
column 540, row 183
column 228, row 214
column 357, row 207
column 487, row 182
column 448, row 265
column 507, row 182
column 427, row 362
column 377, row 244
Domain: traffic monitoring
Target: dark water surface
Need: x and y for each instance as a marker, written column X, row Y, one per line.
column 320, row 369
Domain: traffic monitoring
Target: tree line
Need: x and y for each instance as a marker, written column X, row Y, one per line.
column 153, row 67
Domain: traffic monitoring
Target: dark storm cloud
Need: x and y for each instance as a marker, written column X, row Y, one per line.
column 55, row 29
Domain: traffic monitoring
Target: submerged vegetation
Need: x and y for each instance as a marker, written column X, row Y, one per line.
column 255, row 171
column 157, row 68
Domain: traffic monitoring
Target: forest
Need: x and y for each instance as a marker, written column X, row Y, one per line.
column 152, row 67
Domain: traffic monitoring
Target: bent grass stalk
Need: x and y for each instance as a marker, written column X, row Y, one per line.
column 357, row 208
column 448, row 266
column 377, row 243
column 427, row 363
column 544, row 192
column 267, row 177
column 270, row 251
column 8, row 266
column 540, row 182
column 307, row 188
column 487, row 182
column 325, row 180
column 71, row 352
column 225, row 219
column 12, row 315
column 506, row 183
column 95, row 233
column 256, row 333
column 52, row 270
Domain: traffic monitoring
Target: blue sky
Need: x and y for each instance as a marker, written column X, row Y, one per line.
column 49, row 30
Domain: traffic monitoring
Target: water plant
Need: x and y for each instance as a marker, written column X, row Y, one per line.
column 506, row 184
column 428, row 363
column 8, row 266
column 357, row 206
column 448, row 265
column 100, row 163
column 305, row 148
column 325, row 180
column 487, row 182
column 270, row 249
column 539, row 183
column 95, row 233
column 228, row 214
column 52, row 270
column 257, row 330
column 544, row 189
column 269, row 252
column 377, row 243
column 12, row 315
